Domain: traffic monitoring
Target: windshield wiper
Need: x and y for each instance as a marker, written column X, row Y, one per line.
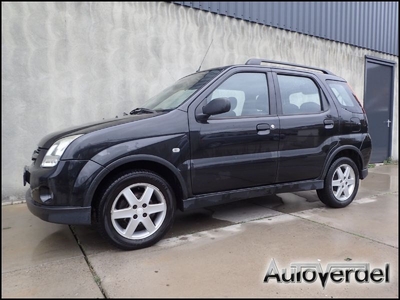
column 142, row 110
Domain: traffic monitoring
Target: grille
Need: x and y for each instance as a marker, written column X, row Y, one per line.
column 36, row 153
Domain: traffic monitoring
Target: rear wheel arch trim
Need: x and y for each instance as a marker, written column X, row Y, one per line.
column 128, row 159
column 331, row 156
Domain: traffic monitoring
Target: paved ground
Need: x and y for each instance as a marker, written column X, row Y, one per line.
column 222, row 251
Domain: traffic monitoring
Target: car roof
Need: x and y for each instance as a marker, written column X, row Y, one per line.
column 256, row 63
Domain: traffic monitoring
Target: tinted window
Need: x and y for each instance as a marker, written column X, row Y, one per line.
column 345, row 96
column 299, row 95
column 247, row 92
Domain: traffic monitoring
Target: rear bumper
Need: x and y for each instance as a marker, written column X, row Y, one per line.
column 71, row 215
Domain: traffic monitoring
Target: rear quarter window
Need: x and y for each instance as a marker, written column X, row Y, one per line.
column 345, row 96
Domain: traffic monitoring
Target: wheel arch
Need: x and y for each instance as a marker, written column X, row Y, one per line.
column 349, row 151
column 159, row 166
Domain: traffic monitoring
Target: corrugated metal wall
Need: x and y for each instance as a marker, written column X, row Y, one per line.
column 371, row 25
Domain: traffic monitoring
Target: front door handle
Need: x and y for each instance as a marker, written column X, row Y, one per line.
column 264, row 128
column 328, row 123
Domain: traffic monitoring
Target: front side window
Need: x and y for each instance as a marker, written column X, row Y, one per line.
column 247, row 92
column 299, row 95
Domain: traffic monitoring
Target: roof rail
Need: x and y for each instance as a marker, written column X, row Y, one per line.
column 258, row 61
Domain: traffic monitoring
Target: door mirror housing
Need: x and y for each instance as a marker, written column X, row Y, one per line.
column 217, row 106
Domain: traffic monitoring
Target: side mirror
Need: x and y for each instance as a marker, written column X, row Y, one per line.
column 217, row 106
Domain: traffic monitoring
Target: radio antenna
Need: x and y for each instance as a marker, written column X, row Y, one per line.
column 205, row 56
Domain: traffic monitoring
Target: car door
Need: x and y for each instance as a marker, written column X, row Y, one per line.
column 307, row 124
column 237, row 149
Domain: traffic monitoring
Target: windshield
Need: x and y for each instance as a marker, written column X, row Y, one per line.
column 180, row 91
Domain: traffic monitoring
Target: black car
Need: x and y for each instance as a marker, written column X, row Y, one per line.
column 213, row 137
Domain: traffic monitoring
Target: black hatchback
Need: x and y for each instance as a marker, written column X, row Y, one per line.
column 213, row 137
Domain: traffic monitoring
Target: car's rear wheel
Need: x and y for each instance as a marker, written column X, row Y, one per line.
column 341, row 183
column 136, row 210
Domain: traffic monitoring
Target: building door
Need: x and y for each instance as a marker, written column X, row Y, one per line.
column 378, row 103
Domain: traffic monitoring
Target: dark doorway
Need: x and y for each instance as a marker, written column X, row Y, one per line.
column 378, row 103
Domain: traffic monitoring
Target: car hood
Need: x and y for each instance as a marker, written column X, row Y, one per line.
column 51, row 138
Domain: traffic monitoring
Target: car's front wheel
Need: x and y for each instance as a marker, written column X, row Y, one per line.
column 341, row 183
column 136, row 210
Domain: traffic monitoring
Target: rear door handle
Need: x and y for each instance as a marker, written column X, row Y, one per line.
column 329, row 124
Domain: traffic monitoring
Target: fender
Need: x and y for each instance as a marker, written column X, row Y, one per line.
column 329, row 160
column 132, row 158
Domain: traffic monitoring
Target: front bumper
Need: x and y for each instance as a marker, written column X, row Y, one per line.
column 59, row 214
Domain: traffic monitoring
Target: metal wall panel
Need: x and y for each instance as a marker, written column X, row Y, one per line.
column 370, row 25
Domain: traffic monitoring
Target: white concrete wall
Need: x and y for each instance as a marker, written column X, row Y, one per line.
column 65, row 64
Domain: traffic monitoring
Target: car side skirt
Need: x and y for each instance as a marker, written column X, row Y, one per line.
column 259, row 191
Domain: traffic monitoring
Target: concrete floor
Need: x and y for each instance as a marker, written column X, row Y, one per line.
column 221, row 251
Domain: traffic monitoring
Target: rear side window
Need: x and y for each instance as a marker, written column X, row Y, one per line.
column 299, row 95
column 345, row 96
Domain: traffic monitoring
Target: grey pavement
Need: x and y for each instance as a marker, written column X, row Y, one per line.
column 220, row 251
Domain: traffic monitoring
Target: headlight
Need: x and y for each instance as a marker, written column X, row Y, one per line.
column 54, row 153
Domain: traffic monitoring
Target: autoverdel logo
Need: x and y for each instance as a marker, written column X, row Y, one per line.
column 335, row 272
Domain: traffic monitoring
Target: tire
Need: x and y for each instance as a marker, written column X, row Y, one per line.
column 136, row 210
column 341, row 183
